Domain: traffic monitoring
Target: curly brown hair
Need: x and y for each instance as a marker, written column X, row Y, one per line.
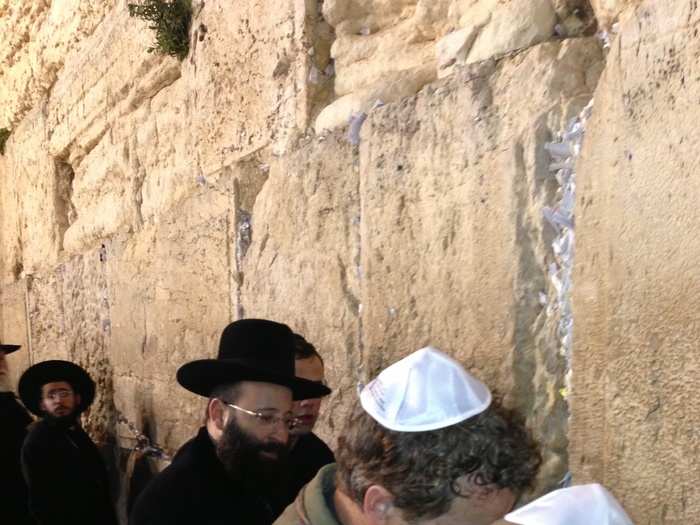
column 422, row 470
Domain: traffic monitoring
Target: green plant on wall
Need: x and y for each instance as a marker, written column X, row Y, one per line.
column 170, row 20
column 4, row 135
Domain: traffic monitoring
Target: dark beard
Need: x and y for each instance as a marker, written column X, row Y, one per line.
column 239, row 452
column 66, row 421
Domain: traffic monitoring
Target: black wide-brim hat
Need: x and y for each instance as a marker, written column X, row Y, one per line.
column 8, row 349
column 250, row 350
column 38, row 375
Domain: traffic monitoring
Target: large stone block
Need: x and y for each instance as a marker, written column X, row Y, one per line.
column 68, row 315
column 301, row 266
column 635, row 409
column 608, row 11
column 453, row 246
column 510, row 26
column 13, row 326
column 33, row 192
column 389, row 50
column 35, row 38
column 169, row 301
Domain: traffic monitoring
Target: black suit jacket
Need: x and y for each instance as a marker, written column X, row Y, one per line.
column 195, row 488
column 66, row 477
column 14, row 420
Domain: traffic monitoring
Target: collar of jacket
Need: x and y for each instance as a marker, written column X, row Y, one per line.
column 315, row 502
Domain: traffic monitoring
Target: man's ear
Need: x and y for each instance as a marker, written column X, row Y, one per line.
column 77, row 399
column 377, row 504
column 215, row 409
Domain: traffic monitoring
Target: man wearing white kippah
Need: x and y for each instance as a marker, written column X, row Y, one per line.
column 580, row 505
column 426, row 444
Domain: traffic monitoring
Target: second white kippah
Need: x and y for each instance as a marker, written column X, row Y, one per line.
column 578, row 505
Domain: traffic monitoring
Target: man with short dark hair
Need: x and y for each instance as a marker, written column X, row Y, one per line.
column 232, row 470
column 307, row 452
column 65, row 474
column 14, row 420
column 426, row 444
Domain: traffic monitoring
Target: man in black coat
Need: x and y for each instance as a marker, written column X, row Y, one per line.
column 14, row 420
column 307, row 452
column 66, row 477
column 232, row 470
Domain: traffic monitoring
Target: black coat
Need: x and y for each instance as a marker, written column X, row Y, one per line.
column 306, row 458
column 66, row 477
column 195, row 489
column 14, row 420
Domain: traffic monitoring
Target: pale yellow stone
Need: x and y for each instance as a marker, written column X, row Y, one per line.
column 636, row 293
column 390, row 88
column 511, row 26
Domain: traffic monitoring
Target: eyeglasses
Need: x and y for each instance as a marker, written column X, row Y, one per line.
column 62, row 393
column 266, row 419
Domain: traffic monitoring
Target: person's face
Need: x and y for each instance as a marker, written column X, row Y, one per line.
column 253, row 449
column 58, row 399
column 272, row 402
column 307, row 411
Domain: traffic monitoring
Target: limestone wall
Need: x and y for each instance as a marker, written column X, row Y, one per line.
column 146, row 202
column 635, row 411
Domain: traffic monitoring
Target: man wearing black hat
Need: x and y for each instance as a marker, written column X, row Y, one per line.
column 66, row 477
column 14, row 420
column 232, row 470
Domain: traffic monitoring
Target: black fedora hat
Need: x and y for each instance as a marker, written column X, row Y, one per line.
column 8, row 349
column 52, row 371
column 250, row 350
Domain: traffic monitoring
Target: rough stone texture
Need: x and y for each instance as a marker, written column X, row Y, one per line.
column 608, row 11
column 169, row 298
column 302, row 266
column 37, row 36
column 26, row 170
column 145, row 203
column 130, row 134
column 452, row 236
column 13, row 326
column 635, row 410
column 389, row 51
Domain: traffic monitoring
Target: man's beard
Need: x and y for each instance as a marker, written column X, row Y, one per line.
column 67, row 420
column 240, row 453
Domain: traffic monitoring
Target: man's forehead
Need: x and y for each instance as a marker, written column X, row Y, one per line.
column 261, row 390
column 309, row 368
column 56, row 385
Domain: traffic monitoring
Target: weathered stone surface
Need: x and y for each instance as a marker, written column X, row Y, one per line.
column 124, row 136
column 635, row 409
column 13, row 326
column 392, row 88
column 452, row 236
column 169, row 299
column 36, row 37
column 68, row 316
column 510, row 26
column 30, row 186
column 302, row 266
column 397, row 47
column 146, row 202
column 607, row 11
